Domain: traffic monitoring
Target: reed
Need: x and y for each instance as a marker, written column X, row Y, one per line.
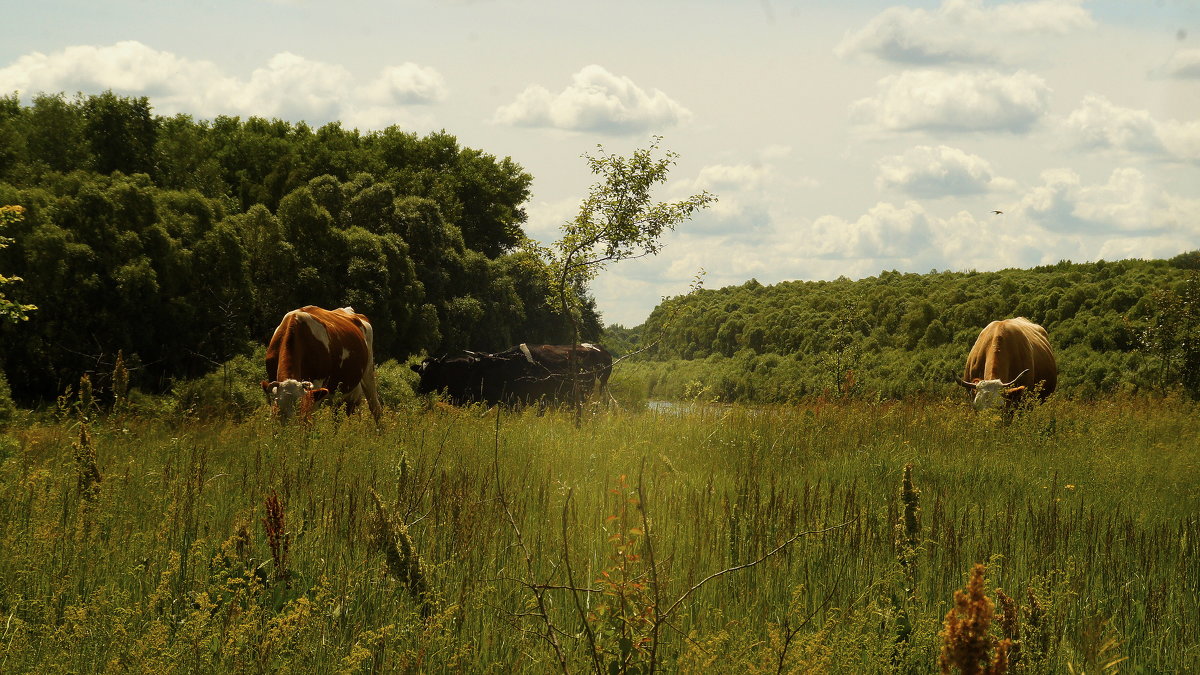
column 1085, row 513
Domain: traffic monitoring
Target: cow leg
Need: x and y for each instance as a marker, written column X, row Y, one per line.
column 370, row 391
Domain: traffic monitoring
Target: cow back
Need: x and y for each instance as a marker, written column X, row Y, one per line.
column 316, row 344
column 1013, row 349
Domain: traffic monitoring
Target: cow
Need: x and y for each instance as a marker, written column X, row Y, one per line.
column 317, row 352
column 518, row 375
column 1010, row 357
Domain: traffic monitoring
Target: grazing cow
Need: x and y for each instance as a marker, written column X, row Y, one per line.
column 1009, row 357
column 315, row 352
column 520, row 375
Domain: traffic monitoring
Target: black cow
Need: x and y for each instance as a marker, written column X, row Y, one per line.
column 519, row 375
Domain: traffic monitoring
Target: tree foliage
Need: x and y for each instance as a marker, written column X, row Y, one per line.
column 1123, row 325
column 9, row 309
column 619, row 219
column 1172, row 335
column 182, row 242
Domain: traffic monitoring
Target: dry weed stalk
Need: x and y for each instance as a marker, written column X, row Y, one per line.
column 908, row 528
column 402, row 560
column 86, row 396
column 907, row 543
column 87, row 473
column 966, row 643
column 277, row 536
column 1010, row 625
column 120, row 384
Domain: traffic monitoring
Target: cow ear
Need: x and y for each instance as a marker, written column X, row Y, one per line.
column 416, row 367
column 1014, row 391
column 266, row 386
column 318, row 395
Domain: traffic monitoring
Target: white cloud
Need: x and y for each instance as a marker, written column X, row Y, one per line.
column 938, row 171
column 293, row 87
column 968, row 101
column 1165, row 246
column 1061, row 218
column 724, row 177
column 407, row 83
column 127, row 66
column 1099, row 124
column 289, row 86
column 596, row 100
column 1128, row 204
column 1181, row 139
column 1183, row 64
column 547, row 217
column 960, row 31
column 741, row 200
column 747, row 196
column 884, row 231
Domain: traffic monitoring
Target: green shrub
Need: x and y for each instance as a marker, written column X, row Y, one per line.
column 233, row 389
column 8, row 409
column 397, row 382
column 629, row 387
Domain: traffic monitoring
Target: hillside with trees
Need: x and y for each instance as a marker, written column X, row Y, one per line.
column 1126, row 325
column 181, row 242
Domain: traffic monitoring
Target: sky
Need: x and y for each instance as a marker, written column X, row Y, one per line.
column 841, row 138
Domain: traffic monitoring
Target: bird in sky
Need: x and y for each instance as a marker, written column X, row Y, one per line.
column 997, row 212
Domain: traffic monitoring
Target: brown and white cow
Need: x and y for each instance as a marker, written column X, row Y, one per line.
column 1010, row 357
column 317, row 352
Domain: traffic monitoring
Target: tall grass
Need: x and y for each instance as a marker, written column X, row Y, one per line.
column 151, row 545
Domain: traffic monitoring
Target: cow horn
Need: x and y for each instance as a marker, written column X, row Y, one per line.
column 964, row 383
column 1010, row 383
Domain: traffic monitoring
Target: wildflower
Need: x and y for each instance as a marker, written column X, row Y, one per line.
column 966, row 643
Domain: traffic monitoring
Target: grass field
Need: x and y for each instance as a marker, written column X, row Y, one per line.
column 520, row 543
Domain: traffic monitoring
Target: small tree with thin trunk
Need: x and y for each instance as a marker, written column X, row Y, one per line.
column 618, row 220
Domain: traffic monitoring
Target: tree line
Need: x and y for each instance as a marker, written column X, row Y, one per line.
column 181, row 242
column 1125, row 325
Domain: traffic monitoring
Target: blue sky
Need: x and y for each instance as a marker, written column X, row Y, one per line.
column 842, row 138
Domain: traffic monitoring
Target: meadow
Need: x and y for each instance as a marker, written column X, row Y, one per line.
column 715, row 538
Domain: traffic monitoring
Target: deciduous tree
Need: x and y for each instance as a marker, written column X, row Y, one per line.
column 10, row 309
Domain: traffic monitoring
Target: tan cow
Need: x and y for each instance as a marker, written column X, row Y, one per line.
column 1010, row 357
column 315, row 352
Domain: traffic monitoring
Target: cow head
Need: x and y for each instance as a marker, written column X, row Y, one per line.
column 289, row 395
column 993, row 393
column 458, row 376
column 428, row 371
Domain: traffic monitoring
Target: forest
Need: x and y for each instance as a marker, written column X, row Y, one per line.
column 1121, row 326
column 179, row 243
